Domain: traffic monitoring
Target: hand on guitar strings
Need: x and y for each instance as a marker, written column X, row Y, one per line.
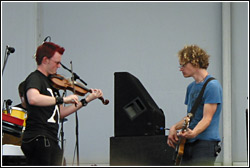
column 188, row 133
column 172, row 137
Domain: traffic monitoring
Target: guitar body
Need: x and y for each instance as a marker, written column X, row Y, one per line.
column 179, row 151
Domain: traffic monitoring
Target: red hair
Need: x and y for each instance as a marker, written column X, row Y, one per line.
column 47, row 49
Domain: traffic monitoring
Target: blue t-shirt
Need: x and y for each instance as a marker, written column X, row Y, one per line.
column 212, row 95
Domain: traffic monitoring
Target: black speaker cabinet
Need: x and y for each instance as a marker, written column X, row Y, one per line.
column 136, row 113
column 140, row 151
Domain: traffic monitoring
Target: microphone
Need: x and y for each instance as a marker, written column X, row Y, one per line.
column 45, row 40
column 10, row 49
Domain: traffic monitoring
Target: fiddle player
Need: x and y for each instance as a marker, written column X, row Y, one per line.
column 202, row 135
column 44, row 107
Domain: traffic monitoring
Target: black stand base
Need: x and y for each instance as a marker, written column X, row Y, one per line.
column 140, row 151
column 14, row 160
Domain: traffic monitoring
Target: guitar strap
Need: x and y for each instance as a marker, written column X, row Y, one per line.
column 198, row 99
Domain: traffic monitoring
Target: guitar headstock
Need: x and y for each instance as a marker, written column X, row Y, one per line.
column 189, row 115
column 187, row 121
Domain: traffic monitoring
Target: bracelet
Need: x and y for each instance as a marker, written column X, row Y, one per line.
column 84, row 102
column 59, row 100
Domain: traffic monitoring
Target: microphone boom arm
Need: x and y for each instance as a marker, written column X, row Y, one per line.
column 8, row 50
column 74, row 74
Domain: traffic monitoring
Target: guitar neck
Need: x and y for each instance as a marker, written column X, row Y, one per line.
column 181, row 143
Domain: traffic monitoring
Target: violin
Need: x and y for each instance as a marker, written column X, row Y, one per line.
column 59, row 82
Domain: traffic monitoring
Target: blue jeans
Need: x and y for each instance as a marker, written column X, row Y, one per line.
column 42, row 151
column 200, row 153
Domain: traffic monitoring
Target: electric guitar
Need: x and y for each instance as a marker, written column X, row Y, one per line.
column 179, row 150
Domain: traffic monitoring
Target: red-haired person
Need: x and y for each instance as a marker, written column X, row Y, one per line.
column 44, row 108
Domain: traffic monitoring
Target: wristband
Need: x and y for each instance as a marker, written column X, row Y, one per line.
column 59, row 100
column 84, row 102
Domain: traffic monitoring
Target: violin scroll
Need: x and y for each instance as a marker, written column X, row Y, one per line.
column 105, row 102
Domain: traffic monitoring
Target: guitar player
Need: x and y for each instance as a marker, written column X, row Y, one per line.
column 202, row 136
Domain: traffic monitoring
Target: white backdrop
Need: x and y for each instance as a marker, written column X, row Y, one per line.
column 101, row 38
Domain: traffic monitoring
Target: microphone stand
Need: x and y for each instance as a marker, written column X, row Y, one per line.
column 76, row 116
column 62, row 135
column 73, row 78
column 7, row 53
column 8, row 104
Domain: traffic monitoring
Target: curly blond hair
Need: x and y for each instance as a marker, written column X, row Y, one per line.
column 195, row 55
